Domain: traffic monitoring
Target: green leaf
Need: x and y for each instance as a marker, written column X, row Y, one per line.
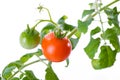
column 67, row 61
column 92, row 47
column 25, row 78
column 21, row 75
column 112, row 16
column 48, row 28
column 112, row 36
column 38, row 53
column 30, row 75
column 7, row 72
column 62, row 19
column 50, row 74
column 74, row 42
column 106, row 58
column 83, row 25
column 94, row 31
column 87, row 12
column 67, row 27
column 27, row 56
column 0, row 77
column 15, row 78
column 63, row 25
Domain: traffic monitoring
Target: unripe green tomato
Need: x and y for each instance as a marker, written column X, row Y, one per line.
column 29, row 38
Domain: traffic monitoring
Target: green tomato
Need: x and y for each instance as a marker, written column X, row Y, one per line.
column 29, row 38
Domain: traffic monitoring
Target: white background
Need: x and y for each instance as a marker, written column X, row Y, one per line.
column 15, row 14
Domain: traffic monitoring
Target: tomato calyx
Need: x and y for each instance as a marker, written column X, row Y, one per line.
column 59, row 33
column 31, row 31
column 29, row 38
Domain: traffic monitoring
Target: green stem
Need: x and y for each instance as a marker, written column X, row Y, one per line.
column 102, row 9
column 40, row 22
column 22, row 67
column 48, row 12
column 72, row 32
column 101, row 22
column 51, row 20
column 93, row 15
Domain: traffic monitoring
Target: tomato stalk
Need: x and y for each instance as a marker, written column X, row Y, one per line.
column 22, row 67
column 93, row 15
column 103, row 8
column 72, row 32
column 100, row 17
column 42, row 20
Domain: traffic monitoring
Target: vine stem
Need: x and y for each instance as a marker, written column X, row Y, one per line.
column 101, row 22
column 72, row 32
column 93, row 15
column 49, row 20
column 25, row 66
column 104, row 8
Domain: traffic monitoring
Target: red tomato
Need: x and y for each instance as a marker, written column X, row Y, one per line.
column 56, row 49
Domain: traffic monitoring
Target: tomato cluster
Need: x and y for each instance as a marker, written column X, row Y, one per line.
column 54, row 49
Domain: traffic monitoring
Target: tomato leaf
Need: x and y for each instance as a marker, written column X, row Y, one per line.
column 95, row 31
column 27, row 56
column 112, row 16
column 106, row 58
column 111, row 35
column 87, row 12
column 48, row 28
column 38, row 53
column 25, row 78
column 62, row 19
column 92, row 47
column 83, row 25
column 8, row 70
column 67, row 61
column 15, row 78
column 21, row 75
column 68, row 27
column 30, row 75
column 65, row 26
column 50, row 74
column 74, row 42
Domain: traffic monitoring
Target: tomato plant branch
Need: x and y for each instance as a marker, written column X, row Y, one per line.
column 50, row 18
column 103, row 8
column 72, row 32
column 101, row 22
column 42, row 61
column 43, row 21
column 93, row 15
column 22, row 67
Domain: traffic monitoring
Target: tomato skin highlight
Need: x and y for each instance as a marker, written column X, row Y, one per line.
column 56, row 49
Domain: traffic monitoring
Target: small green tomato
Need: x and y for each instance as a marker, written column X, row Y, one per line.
column 29, row 38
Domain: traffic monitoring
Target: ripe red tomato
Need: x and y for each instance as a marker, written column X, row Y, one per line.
column 56, row 49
